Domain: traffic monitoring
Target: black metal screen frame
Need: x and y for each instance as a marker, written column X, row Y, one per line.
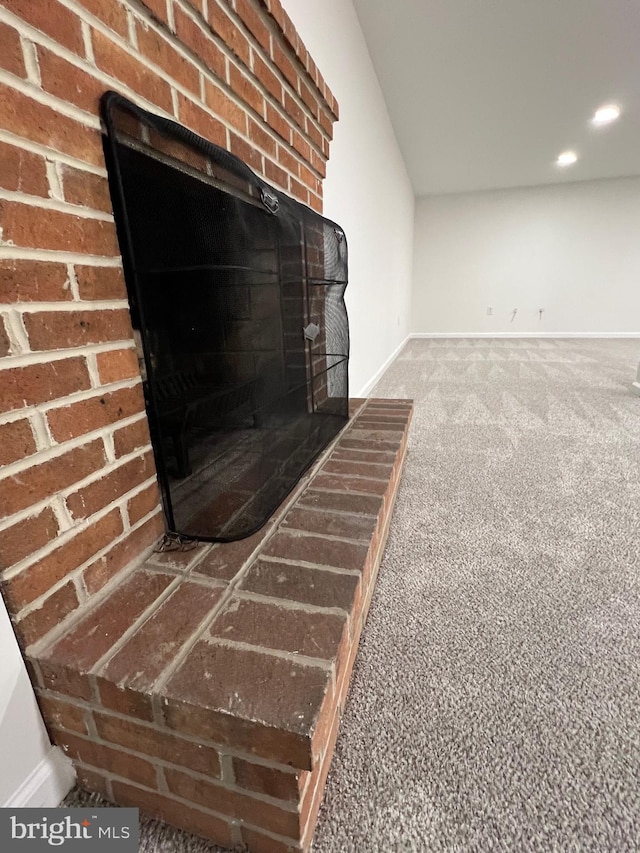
column 307, row 271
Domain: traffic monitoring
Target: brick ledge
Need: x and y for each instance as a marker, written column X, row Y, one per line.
column 217, row 677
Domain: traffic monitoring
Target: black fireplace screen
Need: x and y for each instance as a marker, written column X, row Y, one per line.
column 237, row 292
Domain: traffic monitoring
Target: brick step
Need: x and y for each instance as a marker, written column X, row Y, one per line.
column 207, row 685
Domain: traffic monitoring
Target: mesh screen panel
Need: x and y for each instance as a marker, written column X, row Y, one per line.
column 237, row 291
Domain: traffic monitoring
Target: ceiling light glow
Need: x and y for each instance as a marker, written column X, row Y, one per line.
column 567, row 158
column 606, row 114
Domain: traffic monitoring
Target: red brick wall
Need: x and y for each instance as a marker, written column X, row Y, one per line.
column 79, row 496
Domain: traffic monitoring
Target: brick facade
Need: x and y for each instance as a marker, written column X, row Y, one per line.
column 80, row 500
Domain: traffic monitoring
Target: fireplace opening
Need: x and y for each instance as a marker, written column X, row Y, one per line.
column 237, row 293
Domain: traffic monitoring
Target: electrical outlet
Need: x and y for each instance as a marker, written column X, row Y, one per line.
column 489, row 312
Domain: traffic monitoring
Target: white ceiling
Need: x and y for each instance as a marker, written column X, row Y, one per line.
column 486, row 93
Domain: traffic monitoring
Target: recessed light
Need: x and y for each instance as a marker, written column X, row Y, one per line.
column 567, row 158
column 606, row 114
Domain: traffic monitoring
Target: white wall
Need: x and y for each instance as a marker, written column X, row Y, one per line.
column 367, row 190
column 32, row 772
column 572, row 249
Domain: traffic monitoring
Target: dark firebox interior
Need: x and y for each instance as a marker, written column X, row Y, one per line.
column 238, row 294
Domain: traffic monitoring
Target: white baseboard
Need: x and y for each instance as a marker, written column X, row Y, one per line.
column 524, row 335
column 364, row 392
column 47, row 785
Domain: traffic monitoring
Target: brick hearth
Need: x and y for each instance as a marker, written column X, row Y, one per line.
column 206, row 686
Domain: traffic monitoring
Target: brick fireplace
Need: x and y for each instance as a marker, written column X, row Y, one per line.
column 88, row 596
column 82, row 500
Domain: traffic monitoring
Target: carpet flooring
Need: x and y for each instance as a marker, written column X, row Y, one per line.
column 495, row 703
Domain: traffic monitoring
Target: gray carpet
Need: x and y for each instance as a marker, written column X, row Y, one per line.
column 495, row 703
